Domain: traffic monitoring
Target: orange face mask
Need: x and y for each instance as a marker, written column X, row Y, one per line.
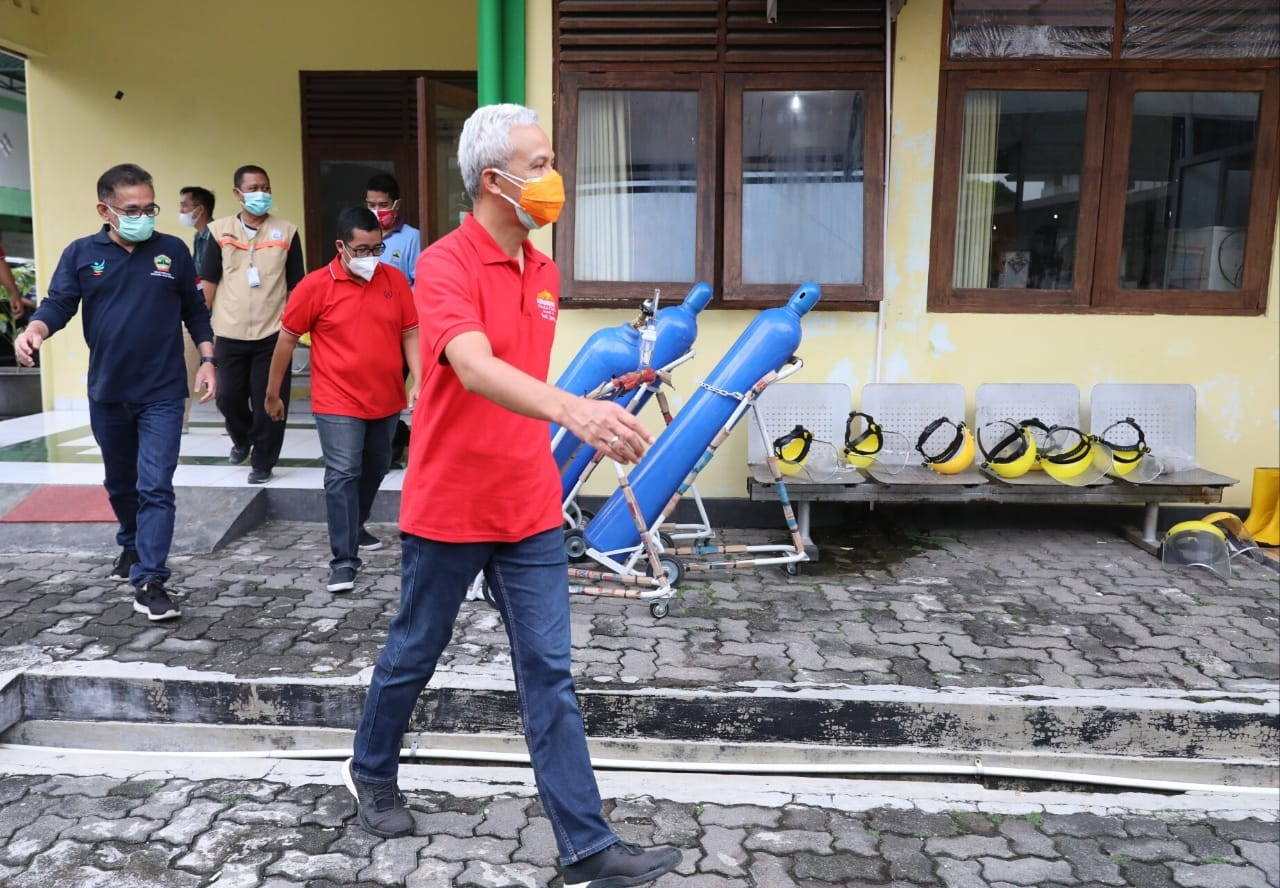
column 541, row 199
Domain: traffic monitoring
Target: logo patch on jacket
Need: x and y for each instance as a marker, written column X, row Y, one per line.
column 98, row 267
column 163, row 264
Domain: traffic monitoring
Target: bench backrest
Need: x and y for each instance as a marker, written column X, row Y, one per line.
column 1166, row 413
column 1053, row 403
column 907, row 407
column 821, row 407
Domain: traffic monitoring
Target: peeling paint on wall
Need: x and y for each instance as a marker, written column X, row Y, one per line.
column 939, row 344
column 1222, row 400
column 897, row 368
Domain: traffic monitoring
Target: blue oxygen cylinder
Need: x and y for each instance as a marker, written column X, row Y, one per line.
column 614, row 351
column 764, row 346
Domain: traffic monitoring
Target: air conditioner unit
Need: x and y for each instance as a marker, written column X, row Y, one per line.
column 1208, row 258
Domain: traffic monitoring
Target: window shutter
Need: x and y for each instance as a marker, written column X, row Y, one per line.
column 710, row 34
column 386, row 107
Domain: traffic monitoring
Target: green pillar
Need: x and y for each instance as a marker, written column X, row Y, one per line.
column 489, row 84
column 513, row 51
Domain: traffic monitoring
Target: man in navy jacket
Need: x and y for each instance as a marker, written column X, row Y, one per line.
column 137, row 289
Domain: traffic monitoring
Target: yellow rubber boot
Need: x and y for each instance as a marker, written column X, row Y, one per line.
column 1263, row 522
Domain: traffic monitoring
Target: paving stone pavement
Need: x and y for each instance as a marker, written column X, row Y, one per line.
column 64, row 831
column 887, row 605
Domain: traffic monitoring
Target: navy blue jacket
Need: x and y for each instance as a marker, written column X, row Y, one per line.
column 135, row 303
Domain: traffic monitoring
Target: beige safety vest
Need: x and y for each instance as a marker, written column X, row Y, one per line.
column 241, row 311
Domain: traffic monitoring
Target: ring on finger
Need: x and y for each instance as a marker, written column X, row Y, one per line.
column 613, row 440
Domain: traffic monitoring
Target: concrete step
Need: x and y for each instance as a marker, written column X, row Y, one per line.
column 1211, row 738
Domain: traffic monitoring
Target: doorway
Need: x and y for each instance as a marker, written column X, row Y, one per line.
column 359, row 123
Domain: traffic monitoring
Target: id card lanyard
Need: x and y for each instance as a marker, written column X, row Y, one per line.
column 255, row 279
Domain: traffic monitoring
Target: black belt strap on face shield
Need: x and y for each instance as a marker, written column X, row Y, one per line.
column 947, row 452
column 1133, row 452
column 872, row 431
column 1066, row 457
column 1017, row 436
column 799, row 433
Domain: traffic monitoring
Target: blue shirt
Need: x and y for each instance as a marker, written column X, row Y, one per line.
column 403, row 246
column 134, row 305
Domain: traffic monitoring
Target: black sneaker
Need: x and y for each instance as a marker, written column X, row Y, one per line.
column 155, row 602
column 238, row 455
column 342, row 579
column 621, row 865
column 368, row 541
column 379, row 806
column 259, row 476
column 125, row 560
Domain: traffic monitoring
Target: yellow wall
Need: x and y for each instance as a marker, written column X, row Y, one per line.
column 1234, row 363
column 173, row 123
column 23, row 26
column 206, row 89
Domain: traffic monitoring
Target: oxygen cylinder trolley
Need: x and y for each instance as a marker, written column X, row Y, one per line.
column 626, row 539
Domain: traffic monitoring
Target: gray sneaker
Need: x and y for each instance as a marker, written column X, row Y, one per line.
column 380, row 806
column 342, row 579
column 621, row 865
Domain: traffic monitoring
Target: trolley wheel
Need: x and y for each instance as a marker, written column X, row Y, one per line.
column 667, row 542
column 672, row 568
column 659, row 609
column 792, row 569
column 575, row 545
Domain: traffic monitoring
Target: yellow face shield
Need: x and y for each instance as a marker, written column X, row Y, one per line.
column 946, row 454
column 1008, row 448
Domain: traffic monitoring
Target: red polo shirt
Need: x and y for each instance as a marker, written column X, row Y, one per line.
column 478, row 472
column 355, row 327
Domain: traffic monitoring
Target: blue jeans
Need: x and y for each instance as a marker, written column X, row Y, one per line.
column 529, row 582
column 139, row 445
column 357, row 454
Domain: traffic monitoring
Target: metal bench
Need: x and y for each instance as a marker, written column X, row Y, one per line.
column 1166, row 414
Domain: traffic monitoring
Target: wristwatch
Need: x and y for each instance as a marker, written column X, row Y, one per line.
column 208, row 360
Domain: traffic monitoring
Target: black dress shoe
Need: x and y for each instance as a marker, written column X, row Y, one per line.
column 259, row 476
column 238, row 455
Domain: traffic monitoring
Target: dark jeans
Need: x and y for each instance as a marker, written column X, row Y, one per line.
column 139, row 445
column 243, row 366
column 529, row 582
column 357, row 454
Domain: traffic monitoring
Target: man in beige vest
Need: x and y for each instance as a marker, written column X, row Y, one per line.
column 252, row 262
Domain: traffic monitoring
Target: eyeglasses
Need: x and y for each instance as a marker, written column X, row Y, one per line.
column 135, row 212
column 366, row 252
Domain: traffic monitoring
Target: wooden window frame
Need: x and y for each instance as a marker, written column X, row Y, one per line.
column 1251, row 297
column 871, row 84
column 1112, row 84
column 600, row 294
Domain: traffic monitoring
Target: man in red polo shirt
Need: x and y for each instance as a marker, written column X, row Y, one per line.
column 482, row 492
column 360, row 315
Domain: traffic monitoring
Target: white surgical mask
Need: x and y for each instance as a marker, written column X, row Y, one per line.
column 363, row 266
column 187, row 219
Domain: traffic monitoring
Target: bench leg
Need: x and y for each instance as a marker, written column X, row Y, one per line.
column 1146, row 538
column 1149, row 523
column 802, row 524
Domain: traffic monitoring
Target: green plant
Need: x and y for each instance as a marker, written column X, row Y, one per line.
column 25, row 277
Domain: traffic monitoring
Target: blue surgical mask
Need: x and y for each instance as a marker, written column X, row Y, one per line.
column 135, row 231
column 257, row 202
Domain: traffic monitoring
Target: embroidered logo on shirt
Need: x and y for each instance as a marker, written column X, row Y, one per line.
column 98, row 267
column 277, row 234
column 163, row 264
column 547, row 305
column 395, row 254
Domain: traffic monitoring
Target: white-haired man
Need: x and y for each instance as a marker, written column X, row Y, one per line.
column 487, row 304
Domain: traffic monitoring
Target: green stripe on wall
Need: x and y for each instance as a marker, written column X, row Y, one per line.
column 15, row 202
column 10, row 104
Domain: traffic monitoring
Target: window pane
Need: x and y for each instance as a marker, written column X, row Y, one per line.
column 1018, row 204
column 990, row 29
column 802, row 185
column 1190, row 174
column 636, row 193
column 1201, row 29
